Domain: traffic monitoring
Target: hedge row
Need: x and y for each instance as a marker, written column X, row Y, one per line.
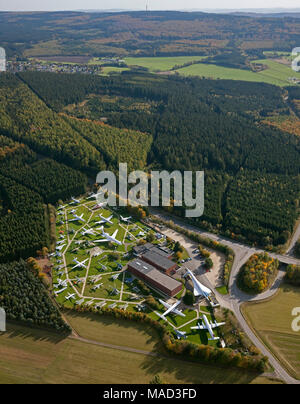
column 203, row 353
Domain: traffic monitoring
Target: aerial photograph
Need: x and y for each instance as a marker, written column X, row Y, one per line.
column 149, row 195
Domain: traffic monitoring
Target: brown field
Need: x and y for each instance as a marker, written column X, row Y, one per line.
column 35, row 356
column 272, row 321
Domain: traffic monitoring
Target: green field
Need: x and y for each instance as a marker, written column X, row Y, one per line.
column 161, row 63
column 30, row 356
column 276, row 74
column 272, row 321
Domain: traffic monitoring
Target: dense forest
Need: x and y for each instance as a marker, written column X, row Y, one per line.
column 25, row 299
column 227, row 38
column 202, row 124
column 53, row 133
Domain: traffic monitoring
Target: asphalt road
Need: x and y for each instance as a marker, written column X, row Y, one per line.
column 236, row 297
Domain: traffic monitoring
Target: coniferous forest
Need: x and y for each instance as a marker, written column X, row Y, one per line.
column 53, row 137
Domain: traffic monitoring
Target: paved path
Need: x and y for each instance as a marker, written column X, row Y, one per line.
column 236, row 297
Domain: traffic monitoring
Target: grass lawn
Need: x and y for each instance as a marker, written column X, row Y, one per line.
column 223, row 290
column 161, row 63
column 34, row 356
column 272, row 321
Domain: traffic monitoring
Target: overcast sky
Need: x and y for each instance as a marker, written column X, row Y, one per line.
column 32, row 5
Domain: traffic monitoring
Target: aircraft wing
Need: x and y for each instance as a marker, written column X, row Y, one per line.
column 215, row 325
column 171, row 308
column 160, row 315
column 179, row 313
column 115, row 234
column 199, row 327
column 166, row 305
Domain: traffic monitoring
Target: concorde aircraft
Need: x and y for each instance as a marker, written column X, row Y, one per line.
column 80, row 264
column 170, row 309
column 105, row 220
column 107, row 237
column 199, row 289
column 209, row 326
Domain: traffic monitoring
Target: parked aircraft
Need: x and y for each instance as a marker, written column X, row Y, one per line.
column 99, row 206
column 88, row 231
column 75, row 201
column 79, row 264
column 180, row 334
column 95, row 196
column 199, row 289
column 77, row 218
column 107, row 237
column 105, row 220
column 209, row 326
column 126, row 219
column 170, row 309
column 70, row 296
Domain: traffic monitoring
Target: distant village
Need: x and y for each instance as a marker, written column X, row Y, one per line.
column 59, row 67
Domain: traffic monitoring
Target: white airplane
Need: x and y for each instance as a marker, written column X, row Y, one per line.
column 99, row 206
column 75, row 201
column 180, row 334
column 141, row 234
column 100, row 305
column 87, row 231
column 209, row 326
column 126, row 219
column 199, row 289
column 61, row 242
column 70, row 296
column 114, row 292
column 61, row 207
column 57, row 292
column 107, row 237
column 77, row 218
column 105, row 220
column 170, row 309
column 115, row 277
column 95, row 196
column 60, row 282
column 79, row 264
column 60, row 247
column 96, row 287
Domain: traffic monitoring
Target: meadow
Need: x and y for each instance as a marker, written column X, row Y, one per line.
column 272, row 321
column 276, row 73
column 162, row 64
